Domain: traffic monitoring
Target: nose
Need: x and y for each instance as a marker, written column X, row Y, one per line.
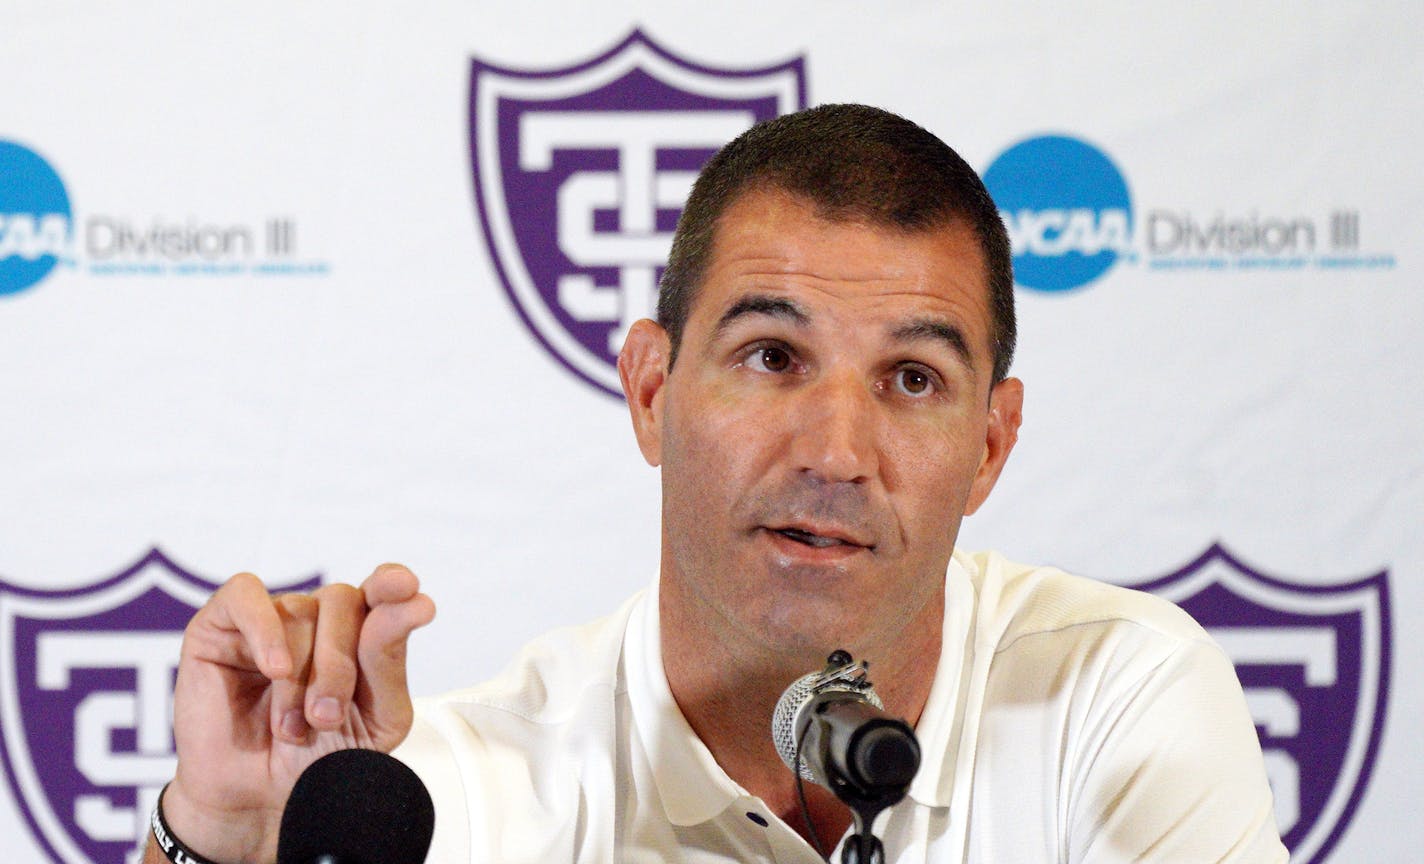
column 836, row 428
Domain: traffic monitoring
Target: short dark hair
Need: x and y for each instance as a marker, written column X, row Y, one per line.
column 852, row 162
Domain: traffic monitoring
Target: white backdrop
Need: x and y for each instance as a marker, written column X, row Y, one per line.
column 381, row 398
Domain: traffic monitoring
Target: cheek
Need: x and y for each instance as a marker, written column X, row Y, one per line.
column 931, row 474
column 707, row 452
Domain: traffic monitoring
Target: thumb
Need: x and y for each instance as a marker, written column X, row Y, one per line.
column 382, row 691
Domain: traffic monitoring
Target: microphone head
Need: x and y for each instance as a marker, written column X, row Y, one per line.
column 356, row 807
column 886, row 756
column 783, row 720
column 788, row 721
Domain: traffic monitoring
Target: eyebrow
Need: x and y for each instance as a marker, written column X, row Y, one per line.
column 936, row 330
column 763, row 304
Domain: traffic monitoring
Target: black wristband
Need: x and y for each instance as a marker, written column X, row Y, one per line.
column 172, row 847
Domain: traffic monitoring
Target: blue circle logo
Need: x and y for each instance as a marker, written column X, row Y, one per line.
column 1067, row 210
column 35, row 222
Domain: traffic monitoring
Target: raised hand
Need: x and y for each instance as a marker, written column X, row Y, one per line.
column 267, row 685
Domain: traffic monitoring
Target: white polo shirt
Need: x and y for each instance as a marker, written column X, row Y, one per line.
column 1069, row 721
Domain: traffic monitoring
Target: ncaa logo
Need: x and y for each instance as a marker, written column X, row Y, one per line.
column 35, row 220
column 1314, row 662
column 580, row 174
column 1067, row 210
column 86, row 704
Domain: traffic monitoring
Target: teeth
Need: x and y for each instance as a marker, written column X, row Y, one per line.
column 810, row 539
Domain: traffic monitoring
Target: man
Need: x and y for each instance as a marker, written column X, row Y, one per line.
column 826, row 395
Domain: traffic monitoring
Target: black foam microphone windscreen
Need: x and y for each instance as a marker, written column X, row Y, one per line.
column 356, row 807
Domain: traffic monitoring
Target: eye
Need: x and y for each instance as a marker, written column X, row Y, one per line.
column 769, row 358
column 913, row 381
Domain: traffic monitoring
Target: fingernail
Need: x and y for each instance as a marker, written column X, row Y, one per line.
column 276, row 659
column 327, row 710
column 294, row 725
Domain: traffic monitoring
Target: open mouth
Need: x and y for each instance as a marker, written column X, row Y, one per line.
column 809, row 539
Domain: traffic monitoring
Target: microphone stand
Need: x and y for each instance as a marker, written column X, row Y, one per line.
column 875, row 756
column 863, row 847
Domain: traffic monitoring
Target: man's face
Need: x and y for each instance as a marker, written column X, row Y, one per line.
column 827, row 424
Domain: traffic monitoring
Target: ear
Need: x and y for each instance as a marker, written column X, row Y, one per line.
column 643, row 369
column 1005, row 417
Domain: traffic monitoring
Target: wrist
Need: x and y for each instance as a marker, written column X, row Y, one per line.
column 208, row 836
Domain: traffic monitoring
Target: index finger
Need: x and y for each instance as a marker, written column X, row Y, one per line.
column 243, row 605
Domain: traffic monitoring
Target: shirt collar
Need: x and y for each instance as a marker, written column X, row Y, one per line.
column 692, row 786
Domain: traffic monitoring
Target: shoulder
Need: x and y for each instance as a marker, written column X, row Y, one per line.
column 1018, row 602
column 509, row 760
column 551, row 678
column 1066, row 640
column 1144, row 740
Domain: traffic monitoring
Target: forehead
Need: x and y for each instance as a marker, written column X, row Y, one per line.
column 779, row 241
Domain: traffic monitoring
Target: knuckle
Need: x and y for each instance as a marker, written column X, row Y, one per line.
column 242, row 584
column 393, row 652
column 333, row 665
column 339, row 592
column 191, row 631
column 301, row 606
column 192, row 635
column 230, row 590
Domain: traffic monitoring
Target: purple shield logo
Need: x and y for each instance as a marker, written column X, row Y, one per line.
column 1314, row 661
column 86, row 704
column 580, row 174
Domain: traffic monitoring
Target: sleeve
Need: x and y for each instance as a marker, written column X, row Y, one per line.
column 506, row 790
column 1173, row 772
column 429, row 754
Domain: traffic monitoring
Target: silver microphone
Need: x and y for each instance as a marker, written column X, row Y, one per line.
column 847, row 742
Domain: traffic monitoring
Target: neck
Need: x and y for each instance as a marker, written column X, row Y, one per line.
column 727, row 690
